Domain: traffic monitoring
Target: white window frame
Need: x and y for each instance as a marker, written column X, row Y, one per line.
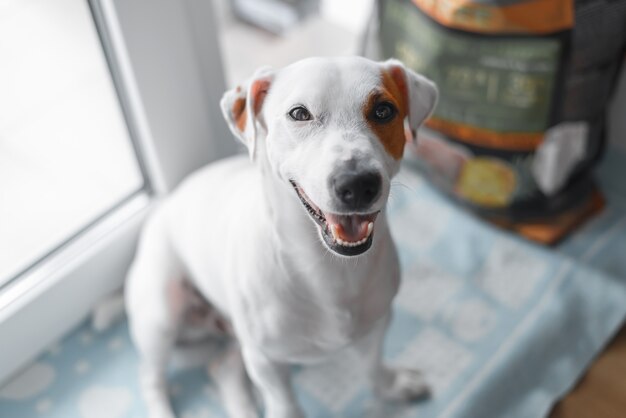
column 166, row 64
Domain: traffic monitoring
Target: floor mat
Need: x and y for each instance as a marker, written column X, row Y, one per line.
column 500, row 326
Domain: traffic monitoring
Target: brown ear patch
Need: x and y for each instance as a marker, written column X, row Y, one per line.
column 239, row 113
column 391, row 134
column 398, row 78
column 259, row 90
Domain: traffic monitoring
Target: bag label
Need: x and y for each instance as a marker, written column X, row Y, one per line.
column 496, row 91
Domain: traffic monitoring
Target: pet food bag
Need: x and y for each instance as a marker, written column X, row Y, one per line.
column 524, row 88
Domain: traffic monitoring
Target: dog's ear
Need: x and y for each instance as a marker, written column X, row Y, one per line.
column 421, row 94
column 242, row 107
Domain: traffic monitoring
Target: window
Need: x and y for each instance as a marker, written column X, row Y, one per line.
column 104, row 105
column 66, row 157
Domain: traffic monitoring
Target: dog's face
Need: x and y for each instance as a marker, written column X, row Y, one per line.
column 334, row 130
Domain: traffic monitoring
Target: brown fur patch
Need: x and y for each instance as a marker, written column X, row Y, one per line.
column 239, row 113
column 398, row 77
column 394, row 91
column 259, row 91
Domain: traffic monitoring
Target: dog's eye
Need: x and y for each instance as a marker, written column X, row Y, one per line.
column 300, row 114
column 383, row 112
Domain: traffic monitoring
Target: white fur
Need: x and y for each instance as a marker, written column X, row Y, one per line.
column 238, row 233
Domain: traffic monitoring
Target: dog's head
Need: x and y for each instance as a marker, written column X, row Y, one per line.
column 334, row 129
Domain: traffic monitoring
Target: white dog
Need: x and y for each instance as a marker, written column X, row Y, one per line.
column 289, row 255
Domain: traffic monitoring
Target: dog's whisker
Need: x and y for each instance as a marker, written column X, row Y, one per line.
column 397, row 183
column 392, row 197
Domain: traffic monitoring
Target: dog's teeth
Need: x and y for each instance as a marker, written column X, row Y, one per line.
column 339, row 241
column 350, row 244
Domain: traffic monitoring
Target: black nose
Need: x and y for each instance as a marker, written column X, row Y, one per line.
column 357, row 191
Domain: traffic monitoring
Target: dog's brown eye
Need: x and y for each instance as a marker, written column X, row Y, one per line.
column 300, row 114
column 383, row 112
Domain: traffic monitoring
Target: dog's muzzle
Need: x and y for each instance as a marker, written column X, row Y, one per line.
column 345, row 234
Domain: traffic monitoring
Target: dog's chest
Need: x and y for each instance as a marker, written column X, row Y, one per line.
column 301, row 332
column 302, row 326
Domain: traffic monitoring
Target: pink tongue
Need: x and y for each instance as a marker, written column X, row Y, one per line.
column 349, row 228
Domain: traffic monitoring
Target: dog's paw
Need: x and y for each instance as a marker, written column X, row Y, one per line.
column 402, row 385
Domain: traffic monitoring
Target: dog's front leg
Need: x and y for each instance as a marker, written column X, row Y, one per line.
column 229, row 373
column 394, row 384
column 274, row 383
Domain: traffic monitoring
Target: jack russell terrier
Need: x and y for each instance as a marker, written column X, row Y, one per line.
column 288, row 255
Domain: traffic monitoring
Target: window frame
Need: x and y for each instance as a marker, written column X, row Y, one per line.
column 165, row 63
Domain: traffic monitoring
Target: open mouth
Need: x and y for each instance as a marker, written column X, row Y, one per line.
column 347, row 235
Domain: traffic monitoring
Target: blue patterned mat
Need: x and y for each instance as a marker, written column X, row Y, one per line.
column 500, row 326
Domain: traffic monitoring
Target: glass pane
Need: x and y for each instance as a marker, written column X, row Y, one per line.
column 65, row 151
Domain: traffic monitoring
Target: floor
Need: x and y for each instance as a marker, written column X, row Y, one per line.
column 601, row 393
column 245, row 48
